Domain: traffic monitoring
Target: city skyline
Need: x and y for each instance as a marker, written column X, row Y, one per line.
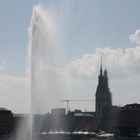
column 83, row 32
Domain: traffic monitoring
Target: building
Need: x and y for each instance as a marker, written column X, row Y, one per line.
column 6, row 122
column 129, row 121
column 58, row 121
column 106, row 113
column 103, row 103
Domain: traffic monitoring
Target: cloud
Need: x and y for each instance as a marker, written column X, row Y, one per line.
column 135, row 38
column 120, row 62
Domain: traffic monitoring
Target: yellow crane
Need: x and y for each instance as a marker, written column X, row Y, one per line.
column 68, row 101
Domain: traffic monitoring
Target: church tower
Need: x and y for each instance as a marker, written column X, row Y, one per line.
column 103, row 99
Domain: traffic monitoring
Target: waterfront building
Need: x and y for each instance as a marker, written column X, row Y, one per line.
column 6, row 121
column 129, row 121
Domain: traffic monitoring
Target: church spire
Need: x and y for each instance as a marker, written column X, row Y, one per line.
column 106, row 78
column 101, row 71
column 105, row 72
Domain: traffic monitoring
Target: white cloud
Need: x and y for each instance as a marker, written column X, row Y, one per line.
column 120, row 62
column 135, row 38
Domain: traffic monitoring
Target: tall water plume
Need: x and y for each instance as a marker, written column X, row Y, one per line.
column 44, row 77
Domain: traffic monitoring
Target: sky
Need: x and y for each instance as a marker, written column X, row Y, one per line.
column 84, row 31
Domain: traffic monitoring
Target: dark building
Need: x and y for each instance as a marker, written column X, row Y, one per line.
column 6, row 122
column 82, row 121
column 103, row 105
column 129, row 121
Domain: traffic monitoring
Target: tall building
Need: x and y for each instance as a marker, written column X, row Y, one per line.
column 103, row 100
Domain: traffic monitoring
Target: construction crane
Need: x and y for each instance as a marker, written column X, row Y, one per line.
column 68, row 101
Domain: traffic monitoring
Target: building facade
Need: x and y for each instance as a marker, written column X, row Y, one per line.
column 6, row 122
column 129, row 121
column 103, row 104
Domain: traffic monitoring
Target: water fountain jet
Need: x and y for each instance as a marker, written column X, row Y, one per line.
column 44, row 77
